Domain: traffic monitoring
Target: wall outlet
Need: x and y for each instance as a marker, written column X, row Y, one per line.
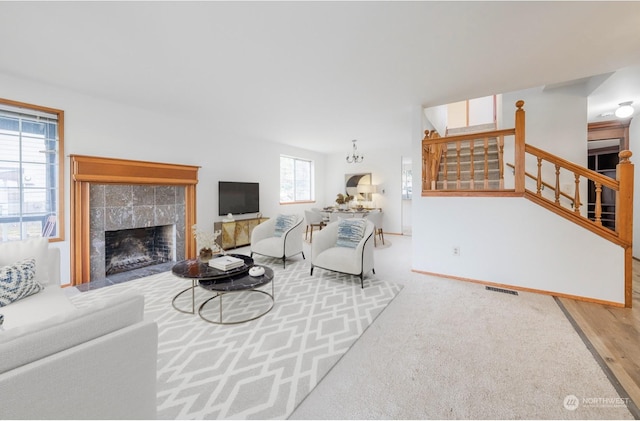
column 456, row 250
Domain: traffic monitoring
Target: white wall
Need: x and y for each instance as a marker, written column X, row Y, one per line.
column 456, row 115
column 513, row 241
column 100, row 128
column 481, row 110
column 556, row 121
column 436, row 118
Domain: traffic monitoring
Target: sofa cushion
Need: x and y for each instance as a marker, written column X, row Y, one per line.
column 51, row 301
column 34, row 341
column 341, row 259
column 17, row 281
column 36, row 248
column 350, row 232
column 270, row 246
column 283, row 223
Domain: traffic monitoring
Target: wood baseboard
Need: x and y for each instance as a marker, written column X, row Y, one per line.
column 524, row 289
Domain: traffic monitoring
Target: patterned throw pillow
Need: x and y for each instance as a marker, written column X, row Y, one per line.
column 283, row 223
column 350, row 232
column 17, row 281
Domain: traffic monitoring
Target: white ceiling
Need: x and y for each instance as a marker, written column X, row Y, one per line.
column 318, row 74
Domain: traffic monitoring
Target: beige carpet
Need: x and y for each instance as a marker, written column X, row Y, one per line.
column 448, row 349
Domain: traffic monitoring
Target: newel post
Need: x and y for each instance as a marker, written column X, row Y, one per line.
column 426, row 160
column 624, row 219
column 519, row 148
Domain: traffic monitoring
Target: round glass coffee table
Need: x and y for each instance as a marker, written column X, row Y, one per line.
column 223, row 282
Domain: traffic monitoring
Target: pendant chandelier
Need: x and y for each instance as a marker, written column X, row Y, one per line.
column 354, row 158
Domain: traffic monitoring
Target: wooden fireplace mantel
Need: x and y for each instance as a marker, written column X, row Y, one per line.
column 88, row 169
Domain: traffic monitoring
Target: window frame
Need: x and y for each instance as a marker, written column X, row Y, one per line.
column 32, row 108
column 311, row 179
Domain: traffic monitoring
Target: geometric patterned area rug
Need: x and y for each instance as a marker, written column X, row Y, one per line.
column 261, row 369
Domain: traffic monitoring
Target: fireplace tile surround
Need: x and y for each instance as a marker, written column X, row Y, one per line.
column 174, row 202
column 125, row 206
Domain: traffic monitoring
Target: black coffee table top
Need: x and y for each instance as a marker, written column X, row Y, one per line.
column 195, row 269
column 238, row 282
column 213, row 279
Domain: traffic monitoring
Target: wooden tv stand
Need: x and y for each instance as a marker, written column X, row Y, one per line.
column 236, row 233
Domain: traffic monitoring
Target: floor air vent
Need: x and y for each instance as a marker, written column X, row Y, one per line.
column 506, row 291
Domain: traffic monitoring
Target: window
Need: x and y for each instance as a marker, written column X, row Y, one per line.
column 296, row 177
column 31, row 167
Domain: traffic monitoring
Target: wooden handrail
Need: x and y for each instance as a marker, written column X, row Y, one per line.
column 470, row 136
column 599, row 181
column 545, row 184
column 584, row 172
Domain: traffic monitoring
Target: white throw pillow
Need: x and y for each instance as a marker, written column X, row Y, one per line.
column 283, row 223
column 350, row 232
column 16, row 281
column 33, row 248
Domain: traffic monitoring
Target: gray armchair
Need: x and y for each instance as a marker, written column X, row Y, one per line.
column 266, row 241
column 326, row 254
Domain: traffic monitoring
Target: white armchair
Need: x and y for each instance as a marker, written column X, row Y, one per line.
column 266, row 242
column 326, row 254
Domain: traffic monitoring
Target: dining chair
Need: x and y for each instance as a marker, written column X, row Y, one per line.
column 314, row 219
column 376, row 217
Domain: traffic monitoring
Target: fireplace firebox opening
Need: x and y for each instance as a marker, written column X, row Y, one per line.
column 130, row 249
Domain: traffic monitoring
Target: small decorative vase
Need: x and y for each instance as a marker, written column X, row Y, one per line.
column 205, row 254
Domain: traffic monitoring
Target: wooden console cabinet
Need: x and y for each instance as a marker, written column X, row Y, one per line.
column 236, row 233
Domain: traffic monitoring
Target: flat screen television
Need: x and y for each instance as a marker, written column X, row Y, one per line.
column 238, row 197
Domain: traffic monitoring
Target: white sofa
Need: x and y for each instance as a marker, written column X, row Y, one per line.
column 50, row 301
column 62, row 362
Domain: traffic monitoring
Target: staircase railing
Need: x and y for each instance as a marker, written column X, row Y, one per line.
column 434, row 153
column 566, row 204
column 543, row 184
column 620, row 233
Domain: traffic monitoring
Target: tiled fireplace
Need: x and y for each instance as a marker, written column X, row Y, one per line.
column 151, row 205
column 133, row 226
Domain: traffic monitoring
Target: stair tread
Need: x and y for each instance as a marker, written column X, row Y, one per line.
column 477, row 143
column 478, row 128
column 463, row 159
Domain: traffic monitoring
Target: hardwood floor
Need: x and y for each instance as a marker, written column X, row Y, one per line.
column 614, row 333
